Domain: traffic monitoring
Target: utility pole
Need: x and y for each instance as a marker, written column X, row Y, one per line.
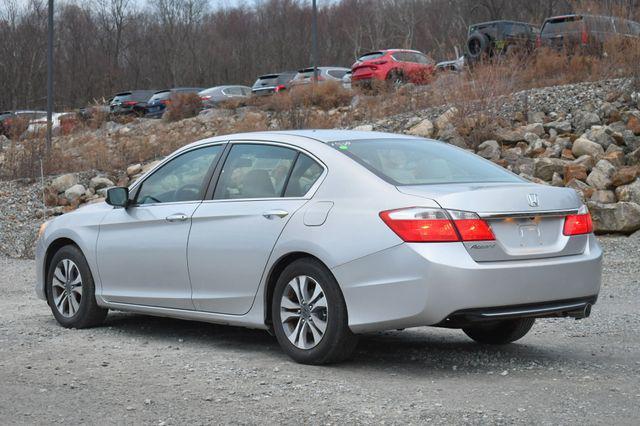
column 49, row 76
column 314, row 38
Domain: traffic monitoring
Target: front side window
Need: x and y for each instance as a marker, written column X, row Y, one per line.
column 422, row 162
column 181, row 179
column 255, row 171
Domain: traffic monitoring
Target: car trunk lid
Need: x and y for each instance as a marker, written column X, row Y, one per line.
column 526, row 219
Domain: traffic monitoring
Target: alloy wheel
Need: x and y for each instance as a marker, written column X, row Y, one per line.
column 303, row 312
column 66, row 287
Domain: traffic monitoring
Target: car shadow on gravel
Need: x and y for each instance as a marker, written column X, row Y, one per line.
column 419, row 351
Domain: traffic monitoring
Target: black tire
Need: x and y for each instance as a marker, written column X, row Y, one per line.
column 477, row 46
column 396, row 79
column 338, row 342
column 88, row 314
column 500, row 332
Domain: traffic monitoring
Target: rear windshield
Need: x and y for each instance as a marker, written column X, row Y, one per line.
column 567, row 24
column 421, row 162
column 162, row 95
column 370, row 56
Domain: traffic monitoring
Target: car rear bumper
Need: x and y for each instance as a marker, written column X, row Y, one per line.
column 420, row 284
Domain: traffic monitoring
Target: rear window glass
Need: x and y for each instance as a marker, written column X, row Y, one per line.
column 370, row 56
column 337, row 73
column 161, row 95
column 569, row 24
column 421, row 162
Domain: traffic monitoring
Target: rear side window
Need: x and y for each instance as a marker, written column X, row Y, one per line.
column 305, row 173
column 421, row 162
column 569, row 24
column 255, row 171
column 337, row 73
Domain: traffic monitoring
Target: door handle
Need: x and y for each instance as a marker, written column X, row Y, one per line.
column 178, row 217
column 272, row 214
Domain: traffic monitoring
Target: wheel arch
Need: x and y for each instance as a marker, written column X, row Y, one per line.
column 274, row 274
column 52, row 249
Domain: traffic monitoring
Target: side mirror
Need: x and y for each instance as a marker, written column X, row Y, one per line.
column 118, row 196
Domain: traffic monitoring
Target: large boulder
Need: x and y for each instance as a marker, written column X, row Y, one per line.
column 603, row 196
column 423, row 129
column 535, row 128
column 545, row 167
column 446, row 118
column 64, row 182
column 622, row 216
column 600, row 135
column 489, row 150
column 134, row 169
column 600, row 176
column 584, row 120
column 100, row 182
column 510, row 136
column 561, row 126
column 630, row 192
column 75, row 192
column 624, row 175
column 583, row 146
column 633, row 124
column 574, row 171
column 584, row 191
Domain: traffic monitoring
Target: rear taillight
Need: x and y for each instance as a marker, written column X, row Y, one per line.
column 165, row 101
column 205, row 98
column 577, row 224
column 129, row 103
column 584, row 38
column 280, row 87
column 421, row 224
column 538, row 41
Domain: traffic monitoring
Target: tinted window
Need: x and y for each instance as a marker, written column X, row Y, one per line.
column 305, row 173
column 337, row 73
column 402, row 56
column 370, row 56
column 181, row 179
column 570, row 24
column 255, row 171
column 420, row 162
column 160, row 96
column 516, row 30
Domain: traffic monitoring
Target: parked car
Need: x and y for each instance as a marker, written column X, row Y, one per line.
column 213, row 96
column 269, row 84
column 320, row 235
column 395, row 66
column 489, row 39
column 158, row 103
column 305, row 75
column 587, row 33
column 131, row 102
column 61, row 123
column 346, row 80
column 456, row 65
column 16, row 122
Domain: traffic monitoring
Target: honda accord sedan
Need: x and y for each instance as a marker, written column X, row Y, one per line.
column 321, row 235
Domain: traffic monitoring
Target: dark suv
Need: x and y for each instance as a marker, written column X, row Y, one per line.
column 586, row 33
column 133, row 102
column 494, row 38
column 272, row 83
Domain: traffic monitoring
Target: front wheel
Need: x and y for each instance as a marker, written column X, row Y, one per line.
column 310, row 316
column 500, row 332
column 71, row 290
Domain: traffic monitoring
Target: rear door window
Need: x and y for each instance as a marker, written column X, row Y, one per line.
column 305, row 173
column 255, row 171
column 570, row 24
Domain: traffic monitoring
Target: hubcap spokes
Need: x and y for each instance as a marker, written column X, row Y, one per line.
column 66, row 287
column 303, row 312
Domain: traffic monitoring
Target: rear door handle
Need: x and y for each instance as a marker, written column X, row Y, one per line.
column 272, row 214
column 178, row 217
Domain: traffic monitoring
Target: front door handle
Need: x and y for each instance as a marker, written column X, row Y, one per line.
column 178, row 217
column 272, row 214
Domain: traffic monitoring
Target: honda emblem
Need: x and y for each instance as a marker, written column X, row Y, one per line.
column 533, row 200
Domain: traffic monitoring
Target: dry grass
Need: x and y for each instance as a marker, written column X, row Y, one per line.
column 183, row 105
column 476, row 93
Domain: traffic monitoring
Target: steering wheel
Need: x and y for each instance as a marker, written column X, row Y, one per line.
column 149, row 197
column 188, row 187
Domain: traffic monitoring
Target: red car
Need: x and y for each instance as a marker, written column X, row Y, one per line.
column 396, row 66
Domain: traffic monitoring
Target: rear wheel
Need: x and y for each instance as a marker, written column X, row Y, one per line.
column 500, row 332
column 396, row 79
column 310, row 316
column 71, row 290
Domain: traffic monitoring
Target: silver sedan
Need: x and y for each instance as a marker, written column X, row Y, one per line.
column 321, row 235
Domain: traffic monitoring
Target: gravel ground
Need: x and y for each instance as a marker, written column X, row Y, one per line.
column 145, row 370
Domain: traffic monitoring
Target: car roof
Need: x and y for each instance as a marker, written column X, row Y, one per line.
column 502, row 21
column 309, row 69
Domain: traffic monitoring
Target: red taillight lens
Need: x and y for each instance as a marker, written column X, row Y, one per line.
column 280, row 87
column 129, row 103
column 420, row 224
column 585, row 37
column 205, row 98
column 538, row 41
column 577, row 224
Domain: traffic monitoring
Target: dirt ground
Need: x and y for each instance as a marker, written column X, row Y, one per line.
column 144, row 370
